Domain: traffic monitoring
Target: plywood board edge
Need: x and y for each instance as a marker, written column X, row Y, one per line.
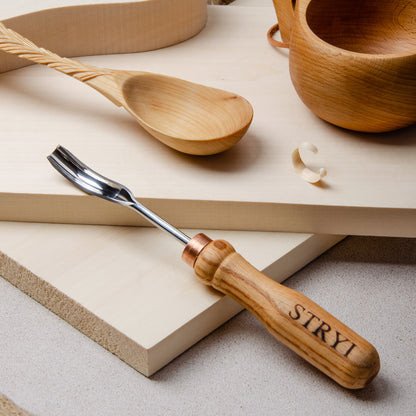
column 224, row 215
column 74, row 313
column 8, row 407
column 195, row 330
column 302, row 255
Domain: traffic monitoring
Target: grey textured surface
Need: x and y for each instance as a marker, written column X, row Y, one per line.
column 49, row 368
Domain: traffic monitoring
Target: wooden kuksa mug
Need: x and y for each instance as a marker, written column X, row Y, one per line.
column 353, row 62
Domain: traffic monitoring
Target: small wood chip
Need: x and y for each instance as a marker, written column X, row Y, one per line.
column 301, row 169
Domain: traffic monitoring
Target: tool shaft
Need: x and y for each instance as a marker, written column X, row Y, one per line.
column 95, row 184
column 159, row 222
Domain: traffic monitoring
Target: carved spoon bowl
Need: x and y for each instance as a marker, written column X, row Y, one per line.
column 188, row 117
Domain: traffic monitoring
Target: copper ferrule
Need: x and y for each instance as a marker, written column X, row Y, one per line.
column 194, row 247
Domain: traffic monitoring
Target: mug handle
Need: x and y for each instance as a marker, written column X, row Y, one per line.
column 285, row 16
column 275, row 42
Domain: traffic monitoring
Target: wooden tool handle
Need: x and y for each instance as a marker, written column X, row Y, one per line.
column 289, row 316
column 15, row 44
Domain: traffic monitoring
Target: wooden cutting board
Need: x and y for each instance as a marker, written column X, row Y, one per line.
column 127, row 288
column 369, row 188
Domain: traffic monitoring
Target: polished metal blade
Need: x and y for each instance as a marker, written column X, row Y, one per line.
column 93, row 183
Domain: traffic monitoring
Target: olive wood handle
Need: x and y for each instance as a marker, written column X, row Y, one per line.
column 289, row 316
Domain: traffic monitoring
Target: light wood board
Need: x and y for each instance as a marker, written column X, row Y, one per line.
column 127, row 288
column 92, row 27
column 369, row 188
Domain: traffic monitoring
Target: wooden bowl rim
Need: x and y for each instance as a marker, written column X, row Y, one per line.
column 332, row 48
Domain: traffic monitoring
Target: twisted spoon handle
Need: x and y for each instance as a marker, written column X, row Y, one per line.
column 15, row 44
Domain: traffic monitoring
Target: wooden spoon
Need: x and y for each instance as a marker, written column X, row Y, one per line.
column 188, row 117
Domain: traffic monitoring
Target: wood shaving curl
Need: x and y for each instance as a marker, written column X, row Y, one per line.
column 301, row 169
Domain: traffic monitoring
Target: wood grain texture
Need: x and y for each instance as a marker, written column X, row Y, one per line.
column 9, row 408
column 367, row 190
column 290, row 317
column 354, row 65
column 285, row 15
column 15, row 44
column 79, row 27
column 188, row 117
column 126, row 287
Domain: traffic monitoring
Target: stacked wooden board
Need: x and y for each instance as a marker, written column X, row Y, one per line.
column 368, row 189
column 127, row 288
